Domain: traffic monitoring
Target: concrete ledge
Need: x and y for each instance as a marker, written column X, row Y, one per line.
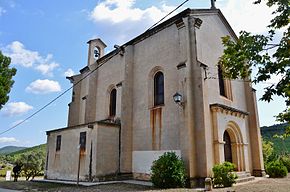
column 88, row 184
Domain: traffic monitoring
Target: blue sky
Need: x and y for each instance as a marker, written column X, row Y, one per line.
column 47, row 42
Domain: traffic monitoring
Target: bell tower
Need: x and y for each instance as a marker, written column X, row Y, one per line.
column 96, row 50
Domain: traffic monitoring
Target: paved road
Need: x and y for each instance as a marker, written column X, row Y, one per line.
column 7, row 190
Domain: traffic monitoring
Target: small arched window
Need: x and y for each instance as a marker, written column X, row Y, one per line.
column 158, row 89
column 113, row 102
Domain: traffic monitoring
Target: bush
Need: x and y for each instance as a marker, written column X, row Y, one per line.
column 286, row 161
column 276, row 169
column 268, row 149
column 168, row 171
column 223, row 175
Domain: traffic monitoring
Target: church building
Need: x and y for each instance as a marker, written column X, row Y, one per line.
column 161, row 91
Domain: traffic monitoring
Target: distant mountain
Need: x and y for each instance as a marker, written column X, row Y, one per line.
column 10, row 149
column 280, row 146
column 41, row 147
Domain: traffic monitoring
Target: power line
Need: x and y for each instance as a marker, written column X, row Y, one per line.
column 167, row 15
column 56, row 98
column 49, row 103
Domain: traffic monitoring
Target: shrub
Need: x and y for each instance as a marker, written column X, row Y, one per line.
column 276, row 169
column 286, row 161
column 268, row 149
column 223, row 175
column 168, row 171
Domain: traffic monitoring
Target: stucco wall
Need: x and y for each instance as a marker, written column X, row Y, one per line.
column 143, row 160
column 209, row 49
column 109, row 75
column 107, row 156
column 63, row 164
column 158, row 52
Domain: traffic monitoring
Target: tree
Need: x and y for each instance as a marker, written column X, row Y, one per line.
column 32, row 163
column 6, row 81
column 267, row 149
column 269, row 58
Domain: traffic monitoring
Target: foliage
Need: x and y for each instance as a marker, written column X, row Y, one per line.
column 249, row 51
column 224, row 175
column 276, row 169
column 32, row 164
column 267, row 149
column 41, row 147
column 281, row 145
column 168, row 171
column 4, row 169
column 6, row 81
column 285, row 159
column 38, row 151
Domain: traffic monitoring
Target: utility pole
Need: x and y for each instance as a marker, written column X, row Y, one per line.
column 79, row 164
column 213, row 4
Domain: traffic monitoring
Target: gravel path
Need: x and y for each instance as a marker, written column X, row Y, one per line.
column 259, row 185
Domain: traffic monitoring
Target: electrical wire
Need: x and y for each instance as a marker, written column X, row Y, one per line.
column 63, row 93
column 168, row 14
column 52, row 101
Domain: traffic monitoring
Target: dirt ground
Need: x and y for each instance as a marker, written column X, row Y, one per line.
column 259, row 185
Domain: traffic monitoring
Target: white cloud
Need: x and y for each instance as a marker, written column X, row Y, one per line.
column 27, row 58
column 7, row 140
column 117, row 11
column 43, row 86
column 121, row 19
column 47, row 69
column 69, row 73
column 22, row 56
column 16, row 108
column 244, row 15
column 2, row 11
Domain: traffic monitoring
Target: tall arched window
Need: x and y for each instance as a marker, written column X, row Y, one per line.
column 113, row 101
column 224, row 84
column 221, row 81
column 158, row 89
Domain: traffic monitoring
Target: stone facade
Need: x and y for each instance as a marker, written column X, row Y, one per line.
column 114, row 102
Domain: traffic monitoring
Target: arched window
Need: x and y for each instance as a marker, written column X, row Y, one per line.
column 158, row 89
column 113, row 101
column 221, row 81
column 224, row 84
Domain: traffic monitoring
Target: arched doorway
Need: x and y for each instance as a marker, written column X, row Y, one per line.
column 227, row 147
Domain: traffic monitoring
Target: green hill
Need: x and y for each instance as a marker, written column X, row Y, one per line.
column 41, row 147
column 280, row 146
column 10, row 149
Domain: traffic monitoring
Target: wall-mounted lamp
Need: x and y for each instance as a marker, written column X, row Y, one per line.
column 177, row 97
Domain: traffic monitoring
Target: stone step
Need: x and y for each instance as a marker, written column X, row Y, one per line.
column 243, row 174
column 244, row 177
